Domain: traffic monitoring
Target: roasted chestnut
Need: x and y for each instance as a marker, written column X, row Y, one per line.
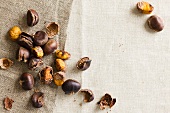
column 25, row 40
column 71, row 86
column 89, row 96
column 40, row 38
column 27, row 81
column 35, row 63
column 37, row 52
column 32, row 17
column 60, row 65
column 23, row 54
column 46, row 75
column 37, row 99
column 59, row 78
column 83, row 63
column 50, row 46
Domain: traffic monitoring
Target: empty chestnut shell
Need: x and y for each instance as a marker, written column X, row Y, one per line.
column 50, row 46
column 106, row 101
column 25, row 40
column 32, row 17
column 5, row 63
column 8, row 103
column 46, row 75
column 35, row 63
column 27, row 81
column 83, row 63
column 23, row 54
column 40, row 38
column 71, row 86
column 37, row 99
column 52, row 29
column 89, row 96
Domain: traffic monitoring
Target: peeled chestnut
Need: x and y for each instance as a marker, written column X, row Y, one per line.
column 71, row 86
column 27, row 81
column 37, row 99
column 40, row 38
column 50, row 46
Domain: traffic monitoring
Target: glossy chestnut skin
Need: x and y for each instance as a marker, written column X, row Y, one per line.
column 37, row 99
column 32, row 17
column 40, row 38
column 23, row 54
column 27, row 81
column 71, row 86
column 50, row 46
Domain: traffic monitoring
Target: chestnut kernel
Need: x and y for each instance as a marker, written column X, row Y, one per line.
column 8, row 103
column 25, row 40
column 89, row 96
column 60, row 65
column 62, row 54
column 32, row 17
column 5, row 63
column 46, row 75
column 59, row 78
column 144, row 7
column 35, row 63
column 38, row 52
column 52, row 29
column 23, row 54
column 37, row 99
column 106, row 101
column 83, row 63
column 71, row 86
column 50, row 46
column 40, row 38
column 27, row 81
column 156, row 23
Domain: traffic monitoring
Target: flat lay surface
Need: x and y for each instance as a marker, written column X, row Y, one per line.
column 129, row 60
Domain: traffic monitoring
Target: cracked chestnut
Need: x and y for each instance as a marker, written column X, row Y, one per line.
column 71, row 86
column 37, row 52
column 50, row 46
column 35, row 63
column 37, row 99
column 83, row 63
column 27, row 81
column 23, row 54
column 40, row 38
column 32, row 17
column 25, row 40
column 46, row 75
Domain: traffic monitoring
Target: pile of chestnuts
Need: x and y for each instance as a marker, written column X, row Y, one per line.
column 32, row 50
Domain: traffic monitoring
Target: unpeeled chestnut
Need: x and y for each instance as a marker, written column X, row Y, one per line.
column 50, row 46
column 71, row 86
column 27, row 81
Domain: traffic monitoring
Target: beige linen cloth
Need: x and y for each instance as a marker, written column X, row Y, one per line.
column 129, row 61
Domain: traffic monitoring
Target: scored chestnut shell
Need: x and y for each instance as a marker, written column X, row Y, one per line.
column 89, row 96
column 23, row 54
column 46, row 75
column 71, row 86
column 83, row 63
column 50, row 46
column 5, row 63
column 32, row 17
column 27, row 81
column 40, row 38
column 37, row 99
column 35, row 63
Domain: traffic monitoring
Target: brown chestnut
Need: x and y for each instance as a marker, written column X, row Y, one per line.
column 32, row 17
column 40, row 38
column 71, row 86
column 37, row 99
column 46, row 75
column 27, row 81
column 35, row 63
column 83, row 63
column 23, row 54
column 50, row 46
